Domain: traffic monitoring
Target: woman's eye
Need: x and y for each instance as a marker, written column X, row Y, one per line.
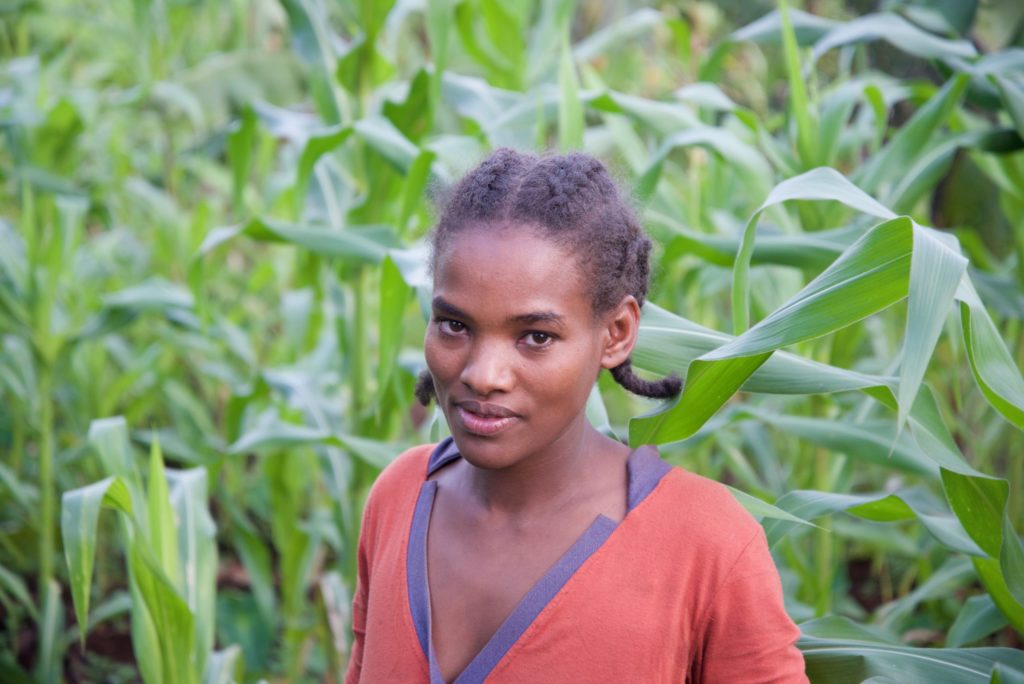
column 538, row 339
column 450, row 327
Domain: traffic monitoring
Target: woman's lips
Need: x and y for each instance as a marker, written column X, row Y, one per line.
column 484, row 424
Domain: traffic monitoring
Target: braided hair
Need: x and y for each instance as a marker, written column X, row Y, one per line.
column 572, row 200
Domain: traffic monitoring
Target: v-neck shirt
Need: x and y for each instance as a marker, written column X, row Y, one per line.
column 683, row 588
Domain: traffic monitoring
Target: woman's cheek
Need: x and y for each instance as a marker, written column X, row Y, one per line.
column 441, row 361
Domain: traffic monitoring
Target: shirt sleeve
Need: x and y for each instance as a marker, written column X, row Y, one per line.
column 355, row 661
column 748, row 637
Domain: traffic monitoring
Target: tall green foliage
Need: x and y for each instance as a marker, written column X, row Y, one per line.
column 212, row 232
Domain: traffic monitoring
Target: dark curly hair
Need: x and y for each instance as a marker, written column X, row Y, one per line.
column 573, row 200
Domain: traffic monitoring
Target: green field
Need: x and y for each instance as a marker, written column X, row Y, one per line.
column 213, row 295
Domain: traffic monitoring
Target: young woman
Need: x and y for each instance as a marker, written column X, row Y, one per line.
column 529, row 547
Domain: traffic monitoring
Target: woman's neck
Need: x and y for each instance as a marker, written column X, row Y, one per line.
column 568, row 470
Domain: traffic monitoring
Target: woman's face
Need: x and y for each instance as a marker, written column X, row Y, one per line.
column 513, row 345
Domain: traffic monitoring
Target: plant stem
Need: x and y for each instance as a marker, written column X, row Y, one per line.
column 46, row 493
column 823, row 545
column 360, row 345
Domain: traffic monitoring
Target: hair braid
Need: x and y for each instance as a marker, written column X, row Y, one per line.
column 665, row 388
column 424, row 390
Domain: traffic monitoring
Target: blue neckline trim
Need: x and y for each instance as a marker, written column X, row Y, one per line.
column 644, row 471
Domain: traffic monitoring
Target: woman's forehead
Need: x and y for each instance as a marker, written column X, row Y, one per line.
column 516, row 272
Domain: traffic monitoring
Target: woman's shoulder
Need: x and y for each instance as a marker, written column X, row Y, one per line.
column 408, row 469
column 394, row 492
column 704, row 513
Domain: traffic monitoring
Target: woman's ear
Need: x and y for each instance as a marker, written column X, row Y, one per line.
column 621, row 326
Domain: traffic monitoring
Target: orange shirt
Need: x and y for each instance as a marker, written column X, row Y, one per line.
column 682, row 589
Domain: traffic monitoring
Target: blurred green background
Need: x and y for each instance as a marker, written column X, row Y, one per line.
column 212, row 289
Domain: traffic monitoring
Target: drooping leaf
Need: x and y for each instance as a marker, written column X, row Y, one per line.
column 80, row 510
column 843, row 660
column 936, row 268
column 977, row 619
column 896, row 31
column 807, row 27
column 357, row 245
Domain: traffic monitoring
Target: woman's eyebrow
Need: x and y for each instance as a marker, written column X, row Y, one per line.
column 447, row 308
column 540, row 317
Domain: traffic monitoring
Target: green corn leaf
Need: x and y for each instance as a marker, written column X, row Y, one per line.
column 359, row 245
column 668, row 344
column 503, row 23
column 717, row 140
column 706, row 95
column 11, row 673
column 990, row 573
column 109, row 438
column 816, row 184
column 419, row 174
column 155, row 294
column 438, row 21
column 225, row 666
column 14, row 585
column 145, row 635
column 241, row 140
column 382, row 136
column 162, row 526
column 892, row 162
column 980, row 502
column 799, row 105
column 597, row 413
column 896, row 31
column 279, row 435
column 1011, row 560
column 197, row 550
column 976, row 620
column 835, row 115
column 629, row 27
column 1003, row 674
column 872, row 441
column 808, row 28
column 821, row 183
column 171, row 634
column 869, row 277
column 570, row 109
column 994, row 370
column 500, row 70
column 255, row 556
column 476, row 99
column 664, row 118
column 51, row 630
column 1011, row 88
column 318, row 144
column 80, row 510
column 811, row 252
column 764, row 510
column 889, row 507
column 936, row 268
column 834, row 658
column 394, row 295
column 954, row 575
column 412, row 264
column 307, row 22
column 337, row 606
column 931, row 165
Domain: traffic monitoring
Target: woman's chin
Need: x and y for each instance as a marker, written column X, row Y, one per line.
column 487, row 452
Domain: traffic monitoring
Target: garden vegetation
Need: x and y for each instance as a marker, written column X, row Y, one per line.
column 213, row 293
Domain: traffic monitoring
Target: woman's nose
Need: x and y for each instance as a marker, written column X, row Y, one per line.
column 488, row 369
